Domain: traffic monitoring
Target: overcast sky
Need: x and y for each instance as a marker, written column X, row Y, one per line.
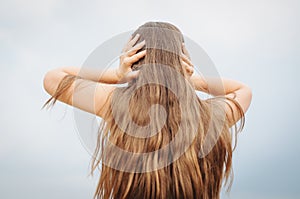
column 254, row 41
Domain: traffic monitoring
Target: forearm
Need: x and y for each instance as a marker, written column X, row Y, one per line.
column 216, row 86
column 109, row 76
column 224, row 87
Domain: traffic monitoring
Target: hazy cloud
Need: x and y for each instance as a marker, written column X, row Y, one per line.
column 256, row 42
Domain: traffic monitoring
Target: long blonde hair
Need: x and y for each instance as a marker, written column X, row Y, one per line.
column 162, row 100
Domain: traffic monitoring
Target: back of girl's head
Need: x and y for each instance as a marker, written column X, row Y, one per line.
column 163, row 43
column 150, row 142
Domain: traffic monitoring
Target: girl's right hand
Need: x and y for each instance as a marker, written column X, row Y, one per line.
column 130, row 56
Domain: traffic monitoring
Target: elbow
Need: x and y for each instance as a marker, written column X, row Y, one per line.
column 247, row 97
column 249, row 93
column 48, row 82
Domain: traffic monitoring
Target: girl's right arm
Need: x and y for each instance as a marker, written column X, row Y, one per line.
column 83, row 89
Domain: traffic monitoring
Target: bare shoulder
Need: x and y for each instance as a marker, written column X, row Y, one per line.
column 234, row 105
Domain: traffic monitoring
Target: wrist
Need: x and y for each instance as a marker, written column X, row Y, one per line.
column 119, row 74
column 199, row 83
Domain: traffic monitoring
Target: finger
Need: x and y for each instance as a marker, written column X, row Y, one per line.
column 136, row 57
column 132, row 40
column 125, row 47
column 130, row 76
column 136, row 48
column 189, row 69
column 185, row 65
column 185, row 51
column 186, row 59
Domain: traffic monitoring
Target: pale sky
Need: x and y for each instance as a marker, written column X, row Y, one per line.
column 254, row 41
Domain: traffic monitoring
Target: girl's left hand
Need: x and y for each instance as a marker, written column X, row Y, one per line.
column 186, row 61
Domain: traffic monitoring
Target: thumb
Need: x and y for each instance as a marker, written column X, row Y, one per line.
column 130, row 76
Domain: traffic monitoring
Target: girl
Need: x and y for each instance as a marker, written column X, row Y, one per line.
column 158, row 139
